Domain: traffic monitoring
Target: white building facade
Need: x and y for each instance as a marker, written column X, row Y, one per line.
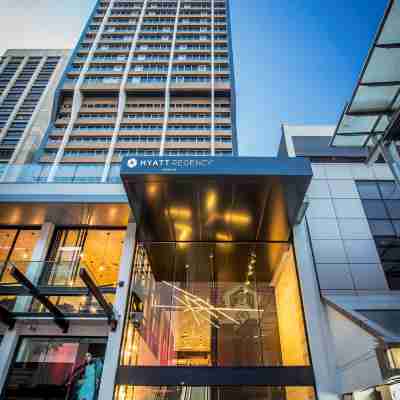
column 350, row 260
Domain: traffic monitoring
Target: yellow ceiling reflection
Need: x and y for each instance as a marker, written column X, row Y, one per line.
column 152, row 190
column 183, row 231
column 237, row 217
column 180, row 212
column 223, row 237
column 211, row 201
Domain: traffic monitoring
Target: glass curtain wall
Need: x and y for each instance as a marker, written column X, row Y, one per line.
column 96, row 250
column 16, row 248
column 381, row 202
column 47, row 368
column 214, row 305
column 220, row 393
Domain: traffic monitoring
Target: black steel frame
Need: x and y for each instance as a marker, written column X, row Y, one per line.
column 94, row 290
column 58, row 316
column 215, row 376
column 41, row 294
column 6, row 317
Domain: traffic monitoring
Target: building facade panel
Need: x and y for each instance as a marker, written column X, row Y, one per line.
column 355, row 258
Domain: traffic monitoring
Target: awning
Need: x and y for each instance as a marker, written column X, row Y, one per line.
column 372, row 110
column 379, row 315
column 227, row 199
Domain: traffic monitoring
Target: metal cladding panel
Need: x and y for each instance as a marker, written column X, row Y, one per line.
column 217, row 376
column 373, row 112
column 215, row 199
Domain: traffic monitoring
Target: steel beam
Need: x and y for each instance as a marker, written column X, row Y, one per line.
column 59, row 317
column 6, row 317
column 95, row 291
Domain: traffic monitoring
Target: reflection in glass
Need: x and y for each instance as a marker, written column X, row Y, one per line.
column 214, row 393
column 8, row 302
column 368, row 190
column 56, row 368
column 394, row 357
column 16, row 246
column 85, row 304
column 208, row 316
column 6, row 240
column 375, row 209
column 99, row 251
column 384, row 220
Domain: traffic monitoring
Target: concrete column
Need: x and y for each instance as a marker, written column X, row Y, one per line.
column 4, row 64
column 122, row 94
column 7, row 350
column 111, row 359
column 77, row 97
column 320, row 341
column 37, row 265
column 168, row 82
column 212, row 77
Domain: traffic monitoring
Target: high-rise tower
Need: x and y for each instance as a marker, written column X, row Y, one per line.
column 146, row 78
column 28, row 79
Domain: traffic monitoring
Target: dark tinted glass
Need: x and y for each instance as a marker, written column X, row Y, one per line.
column 396, row 225
column 393, row 207
column 368, row 190
column 389, row 190
column 375, row 209
column 381, row 228
column 388, row 319
column 388, row 248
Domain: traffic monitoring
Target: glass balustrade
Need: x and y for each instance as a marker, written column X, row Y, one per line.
column 71, row 173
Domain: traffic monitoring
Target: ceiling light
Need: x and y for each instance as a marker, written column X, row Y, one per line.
column 70, row 248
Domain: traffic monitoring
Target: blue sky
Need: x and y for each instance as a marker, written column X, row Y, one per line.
column 296, row 61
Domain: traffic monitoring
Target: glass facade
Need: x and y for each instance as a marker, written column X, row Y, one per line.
column 215, row 312
column 214, row 393
column 213, row 305
column 56, row 368
column 381, row 201
column 16, row 246
column 97, row 250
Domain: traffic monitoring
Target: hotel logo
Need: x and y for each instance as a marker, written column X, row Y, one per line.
column 132, row 163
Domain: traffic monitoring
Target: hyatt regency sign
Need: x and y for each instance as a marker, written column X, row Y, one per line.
column 168, row 164
column 250, row 166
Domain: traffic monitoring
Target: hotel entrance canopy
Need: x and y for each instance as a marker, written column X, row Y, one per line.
column 227, row 199
column 213, row 242
column 373, row 114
